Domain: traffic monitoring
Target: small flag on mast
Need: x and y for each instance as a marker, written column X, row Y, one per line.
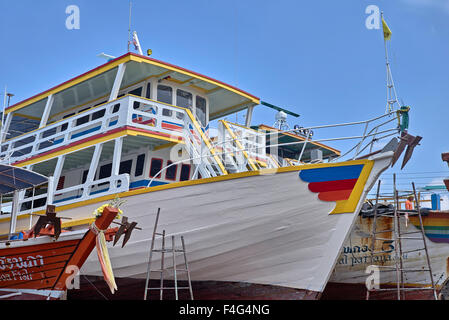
column 387, row 31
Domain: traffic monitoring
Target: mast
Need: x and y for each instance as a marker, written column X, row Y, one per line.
column 129, row 25
column 3, row 113
column 392, row 97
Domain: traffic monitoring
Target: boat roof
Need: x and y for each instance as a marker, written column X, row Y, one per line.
column 224, row 98
column 13, row 178
column 290, row 137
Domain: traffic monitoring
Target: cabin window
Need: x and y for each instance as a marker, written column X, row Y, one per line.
column 85, row 172
column 167, row 112
column 82, row 120
column 125, row 167
column 116, row 108
column 136, row 92
column 201, row 109
column 156, row 166
column 185, row 172
column 171, row 171
column 139, row 165
column 184, row 99
column 99, row 114
column 148, row 94
column 179, row 115
column 105, row 171
column 165, row 94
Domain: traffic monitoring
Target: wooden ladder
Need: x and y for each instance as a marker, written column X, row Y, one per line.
column 399, row 236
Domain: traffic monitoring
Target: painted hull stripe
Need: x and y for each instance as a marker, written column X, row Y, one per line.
column 331, row 173
column 327, row 186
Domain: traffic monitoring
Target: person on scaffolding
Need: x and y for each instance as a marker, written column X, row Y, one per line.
column 408, row 206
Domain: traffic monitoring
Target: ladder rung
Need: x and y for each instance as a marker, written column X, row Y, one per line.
column 380, row 252
column 410, row 232
column 167, row 250
column 384, row 231
column 400, row 289
column 168, row 288
column 167, row 269
column 420, row 249
column 405, row 270
column 410, row 238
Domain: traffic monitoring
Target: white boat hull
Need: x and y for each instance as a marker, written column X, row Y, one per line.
column 264, row 229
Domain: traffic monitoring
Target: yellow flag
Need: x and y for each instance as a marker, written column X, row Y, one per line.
column 387, row 31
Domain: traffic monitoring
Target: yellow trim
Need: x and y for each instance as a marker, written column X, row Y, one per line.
column 220, row 113
column 79, row 222
column 139, row 59
column 275, row 161
column 69, row 84
column 206, row 141
column 230, row 176
column 350, row 205
column 27, row 116
column 359, row 187
column 239, row 145
column 167, row 145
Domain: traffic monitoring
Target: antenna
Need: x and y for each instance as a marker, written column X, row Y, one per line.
column 3, row 113
column 392, row 96
column 129, row 25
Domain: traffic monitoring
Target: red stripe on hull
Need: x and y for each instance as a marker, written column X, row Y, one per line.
column 332, row 185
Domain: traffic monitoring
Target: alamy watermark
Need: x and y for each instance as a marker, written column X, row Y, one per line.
column 373, row 20
column 73, row 280
column 72, row 22
column 373, row 280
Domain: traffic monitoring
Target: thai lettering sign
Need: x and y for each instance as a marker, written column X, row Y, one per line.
column 17, row 268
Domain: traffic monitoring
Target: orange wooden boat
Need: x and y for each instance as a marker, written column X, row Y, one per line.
column 42, row 267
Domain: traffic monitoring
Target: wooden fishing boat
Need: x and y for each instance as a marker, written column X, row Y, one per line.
column 42, row 262
column 41, row 267
column 349, row 274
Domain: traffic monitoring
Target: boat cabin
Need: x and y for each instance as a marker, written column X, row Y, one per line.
column 137, row 122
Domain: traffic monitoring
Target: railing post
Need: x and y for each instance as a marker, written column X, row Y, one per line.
column 14, row 210
column 117, row 82
column 118, row 143
column 46, row 113
column 5, row 129
column 92, row 169
column 50, row 190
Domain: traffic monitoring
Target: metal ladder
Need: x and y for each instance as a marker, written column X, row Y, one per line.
column 398, row 237
column 173, row 251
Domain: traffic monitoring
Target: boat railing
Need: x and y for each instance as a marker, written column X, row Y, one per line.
column 245, row 147
column 373, row 131
column 126, row 111
column 88, row 190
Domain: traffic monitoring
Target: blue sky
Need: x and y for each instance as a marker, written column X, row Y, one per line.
column 315, row 58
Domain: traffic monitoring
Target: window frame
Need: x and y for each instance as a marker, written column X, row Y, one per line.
column 169, row 162
column 151, row 166
column 190, row 171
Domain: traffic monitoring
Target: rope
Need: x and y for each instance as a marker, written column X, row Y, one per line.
column 103, row 257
